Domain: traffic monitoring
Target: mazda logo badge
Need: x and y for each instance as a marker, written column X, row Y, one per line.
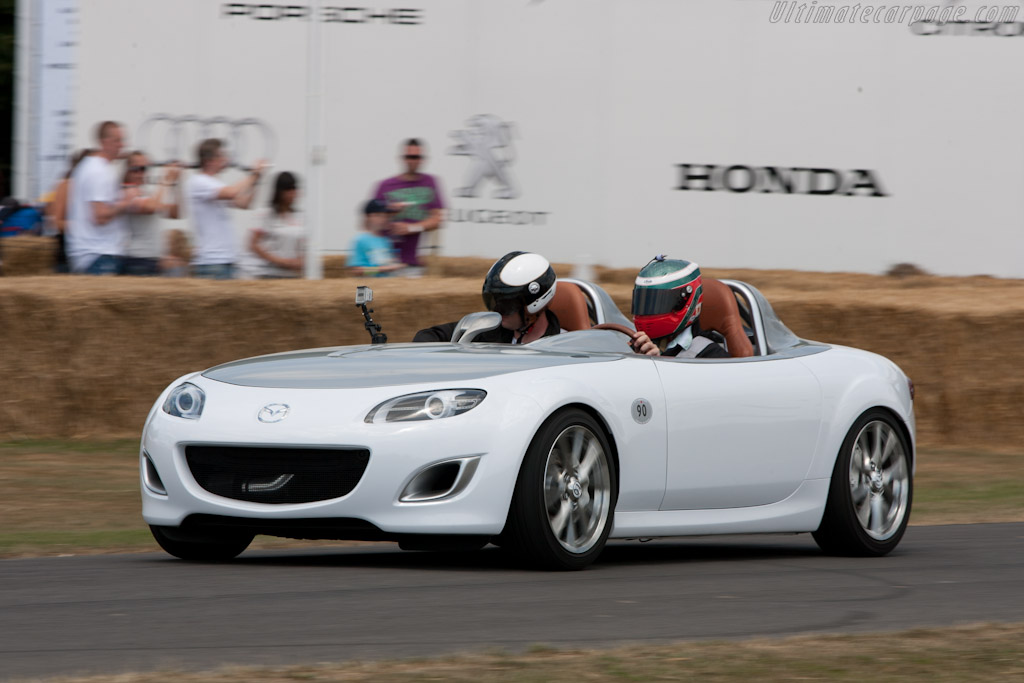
column 273, row 412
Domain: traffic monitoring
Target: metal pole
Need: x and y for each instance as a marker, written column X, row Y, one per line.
column 26, row 39
column 316, row 150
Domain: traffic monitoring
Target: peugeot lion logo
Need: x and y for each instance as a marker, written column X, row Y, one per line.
column 273, row 412
column 488, row 140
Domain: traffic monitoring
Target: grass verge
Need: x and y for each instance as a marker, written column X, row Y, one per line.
column 71, row 497
column 962, row 654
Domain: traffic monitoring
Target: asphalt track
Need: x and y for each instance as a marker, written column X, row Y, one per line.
column 114, row 613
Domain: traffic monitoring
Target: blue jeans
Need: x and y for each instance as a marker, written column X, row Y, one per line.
column 107, row 264
column 217, row 271
column 134, row 265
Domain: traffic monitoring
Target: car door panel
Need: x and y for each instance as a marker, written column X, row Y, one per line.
column 739, row 433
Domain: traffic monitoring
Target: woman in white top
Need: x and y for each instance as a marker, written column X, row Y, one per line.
column 145, row 243
column 277, row 243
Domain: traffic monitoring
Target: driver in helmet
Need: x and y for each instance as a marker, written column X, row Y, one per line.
column 667, row 297
column 519, row 286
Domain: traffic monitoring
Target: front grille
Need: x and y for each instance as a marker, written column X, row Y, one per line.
column 277, row 475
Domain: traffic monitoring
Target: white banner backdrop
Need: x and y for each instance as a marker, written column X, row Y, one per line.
column 47, row 34
column 606, row 131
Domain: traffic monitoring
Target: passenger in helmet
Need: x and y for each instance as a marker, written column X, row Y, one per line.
column 667, row 297
column 519, row 286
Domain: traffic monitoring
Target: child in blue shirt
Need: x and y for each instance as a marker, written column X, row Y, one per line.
column 371, row 252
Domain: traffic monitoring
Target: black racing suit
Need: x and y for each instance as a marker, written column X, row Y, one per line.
column 499, row 335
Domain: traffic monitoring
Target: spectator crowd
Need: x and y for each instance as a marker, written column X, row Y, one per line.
column 106, row 215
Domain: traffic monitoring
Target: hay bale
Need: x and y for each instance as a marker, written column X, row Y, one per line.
column 439, row 267
column 334, row 267
column 473, row 267
column 959, row 339
column 86, row 357
column 25, row 255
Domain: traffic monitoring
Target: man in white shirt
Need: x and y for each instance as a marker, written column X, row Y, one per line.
column 216, row 248
column 97, row 232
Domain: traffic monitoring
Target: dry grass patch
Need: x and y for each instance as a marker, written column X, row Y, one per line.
column 964, row 487
column 80, row 497
column 965, row 654
column 75, row 497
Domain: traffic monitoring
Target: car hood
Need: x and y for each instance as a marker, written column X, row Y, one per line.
column 360, row 367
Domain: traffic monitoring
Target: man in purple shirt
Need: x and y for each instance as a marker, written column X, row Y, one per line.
column 415, row 199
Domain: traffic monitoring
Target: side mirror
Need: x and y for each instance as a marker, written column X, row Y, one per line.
column 472, row 325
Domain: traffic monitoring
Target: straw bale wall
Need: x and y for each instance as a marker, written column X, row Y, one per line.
column 86, row 357
column 28, row 255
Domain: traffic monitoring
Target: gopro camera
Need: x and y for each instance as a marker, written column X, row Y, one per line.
column 364, row 295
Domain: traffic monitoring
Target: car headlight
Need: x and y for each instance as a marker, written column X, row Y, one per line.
column 427, row 405
column 186, row 400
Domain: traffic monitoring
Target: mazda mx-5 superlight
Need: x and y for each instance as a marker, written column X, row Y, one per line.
column 547, row 449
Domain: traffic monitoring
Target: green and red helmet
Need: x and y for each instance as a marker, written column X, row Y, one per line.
column 667, row 296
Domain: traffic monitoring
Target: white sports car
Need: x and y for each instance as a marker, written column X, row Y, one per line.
column 547, row 449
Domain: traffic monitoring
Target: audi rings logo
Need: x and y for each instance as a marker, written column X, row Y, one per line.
column 274, row 412
column 170, row 138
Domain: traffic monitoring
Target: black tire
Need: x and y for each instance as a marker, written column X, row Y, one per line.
column 205, row 547
column 871, row 490
column 565, row 484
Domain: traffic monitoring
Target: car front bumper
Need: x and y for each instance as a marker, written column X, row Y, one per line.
column 484, row 446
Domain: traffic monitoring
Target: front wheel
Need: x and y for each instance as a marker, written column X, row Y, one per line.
column 201, row 547
column 871, row 490
column 564, row 503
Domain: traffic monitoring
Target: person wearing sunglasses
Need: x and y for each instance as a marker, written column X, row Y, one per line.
column 145, row 246
column 667, row 298
column 519, row 287
column 415, row 200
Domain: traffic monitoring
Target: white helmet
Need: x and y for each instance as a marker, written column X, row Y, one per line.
column 519, row 281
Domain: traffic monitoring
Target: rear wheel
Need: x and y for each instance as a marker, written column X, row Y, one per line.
column 871, row 490
column 564, row 503
column 202, row 547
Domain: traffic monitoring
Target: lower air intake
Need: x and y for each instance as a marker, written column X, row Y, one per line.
column 277, row 475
